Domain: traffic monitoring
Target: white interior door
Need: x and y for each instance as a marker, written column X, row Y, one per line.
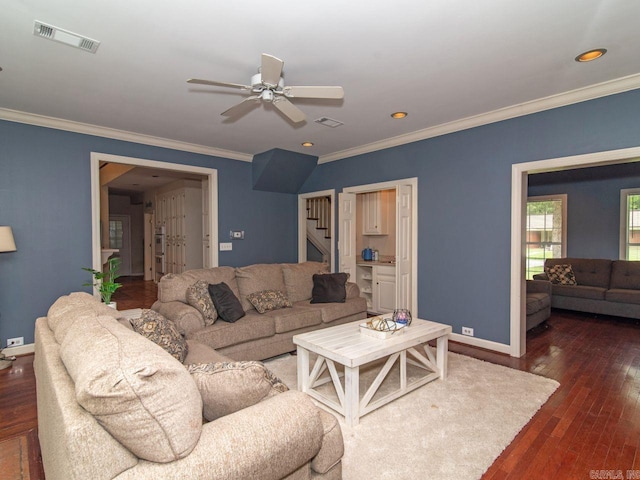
column 347, row 232
column 403, row 246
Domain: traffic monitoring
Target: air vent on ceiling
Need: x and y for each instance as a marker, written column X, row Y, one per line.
column 50, row 32
column 329, row 122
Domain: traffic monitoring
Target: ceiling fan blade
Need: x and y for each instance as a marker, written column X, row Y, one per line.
column 218, row 84
column 242, row 107
column 289, row 109
column 271, row 70
column 314, row 92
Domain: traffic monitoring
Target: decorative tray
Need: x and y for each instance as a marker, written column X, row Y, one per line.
column 381, row 327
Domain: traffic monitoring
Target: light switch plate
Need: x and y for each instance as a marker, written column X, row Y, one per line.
column 226, row 246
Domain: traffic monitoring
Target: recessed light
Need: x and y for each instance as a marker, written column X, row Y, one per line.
column 398, row 115
column 591, row 55
column 307, row 144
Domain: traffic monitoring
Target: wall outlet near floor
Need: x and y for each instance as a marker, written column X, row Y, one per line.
column 15, row 342
column 226, row 246
column 467, row 331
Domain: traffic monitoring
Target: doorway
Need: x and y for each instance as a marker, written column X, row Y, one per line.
column 120, row 239
column 519, row 179
column 210, row 198
column 317, row 227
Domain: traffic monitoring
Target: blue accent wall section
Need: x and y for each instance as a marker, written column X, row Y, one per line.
column 45, row 196
column 464, row 195
column 282, row 171
column 593, row 214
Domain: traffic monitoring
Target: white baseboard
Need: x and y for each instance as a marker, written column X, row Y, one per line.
column 21, row 350
column 479, row 342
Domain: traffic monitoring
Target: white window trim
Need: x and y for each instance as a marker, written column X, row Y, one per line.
column 624, row 219
column 564, row 198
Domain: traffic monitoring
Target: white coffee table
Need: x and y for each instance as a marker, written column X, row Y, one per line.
column 345, row 345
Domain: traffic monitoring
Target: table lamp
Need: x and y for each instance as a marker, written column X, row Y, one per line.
column 7, row 244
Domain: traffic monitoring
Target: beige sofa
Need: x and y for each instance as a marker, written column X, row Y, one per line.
column 114, row 405
column 257, row 336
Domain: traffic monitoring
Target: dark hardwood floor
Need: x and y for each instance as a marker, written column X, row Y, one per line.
column 589, row 428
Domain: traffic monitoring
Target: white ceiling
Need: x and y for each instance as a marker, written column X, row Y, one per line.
column 442, row 61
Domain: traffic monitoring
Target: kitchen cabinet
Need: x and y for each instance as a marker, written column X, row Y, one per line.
column 179, row 211
column 377, row 285
column 375, row 213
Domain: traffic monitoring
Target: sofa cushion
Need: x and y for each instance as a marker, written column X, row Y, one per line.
column 537, row 302
column 173, row 287
column 579, row 291
column 228, row 387
column 67, row 309
column 226, row 303
column 625, row 274
column 268, row 300
column 256, row 278
column 622, row 295
column 162, row 332
column 289, row 319
column 198, row 297
column 201, row 353
column 298, row 278
column 588, row 271
column 138, row 392
column 335, row 311
column 329, row 288
column 250, row 327
column 560, row 274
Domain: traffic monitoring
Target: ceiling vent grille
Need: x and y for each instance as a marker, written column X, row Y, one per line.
column 329, row 122
column 56, row 34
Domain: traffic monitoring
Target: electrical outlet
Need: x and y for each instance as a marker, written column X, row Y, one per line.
column 15, row 342
column 467, row 331
column 226, row 246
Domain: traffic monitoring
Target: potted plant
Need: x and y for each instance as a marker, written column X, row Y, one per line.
column 105, row 282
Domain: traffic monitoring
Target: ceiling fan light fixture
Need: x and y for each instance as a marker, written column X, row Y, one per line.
column 591, row 55
column 307, row 144
column 398, row 115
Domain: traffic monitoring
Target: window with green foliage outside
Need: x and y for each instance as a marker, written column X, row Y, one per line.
column 545, row 231
column 631, row 212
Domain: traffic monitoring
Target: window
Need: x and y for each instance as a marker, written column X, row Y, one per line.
column 115, row 233
column 546, row 231
column 630, row 224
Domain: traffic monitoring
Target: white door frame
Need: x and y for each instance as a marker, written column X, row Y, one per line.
column 95, row 160
column 302, row 224
column 393, row 184
column 519, row 174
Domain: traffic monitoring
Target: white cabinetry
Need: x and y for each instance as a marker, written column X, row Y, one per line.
column 375, row 217
column 206, row 226
column 377, row 285
column 179, row 210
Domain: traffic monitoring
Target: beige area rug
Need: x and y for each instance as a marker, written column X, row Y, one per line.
column 452, row 429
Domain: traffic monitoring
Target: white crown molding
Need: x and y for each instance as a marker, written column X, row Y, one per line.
column 591, row 92
column 88, row 129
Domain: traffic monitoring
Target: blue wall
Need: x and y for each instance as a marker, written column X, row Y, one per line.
column 464, row 182
column 464, row 195
column 593, row 214
column 45, row 196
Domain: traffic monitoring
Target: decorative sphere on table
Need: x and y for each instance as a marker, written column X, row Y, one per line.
column 402, row 316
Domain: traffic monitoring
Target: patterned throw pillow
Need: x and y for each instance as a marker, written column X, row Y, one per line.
column 228, row 387
column 199, row 298
column 561, row 274
column 267, row 300
column 161, row 331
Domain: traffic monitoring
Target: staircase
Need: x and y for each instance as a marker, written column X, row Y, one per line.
column 319, row 225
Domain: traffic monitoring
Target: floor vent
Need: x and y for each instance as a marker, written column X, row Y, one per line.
column 56, row 34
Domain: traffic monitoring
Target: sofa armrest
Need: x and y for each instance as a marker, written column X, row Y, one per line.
column 540, row 276
column 186, row 318
column 353, row 291
column 539, row 286
column 266, row 441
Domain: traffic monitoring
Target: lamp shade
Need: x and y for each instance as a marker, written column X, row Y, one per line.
column 7, row 244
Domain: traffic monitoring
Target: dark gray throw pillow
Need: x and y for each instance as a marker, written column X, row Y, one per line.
column 329, row 288
column 226, row 303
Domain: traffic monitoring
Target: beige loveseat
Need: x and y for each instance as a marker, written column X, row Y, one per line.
column 257, row 336
column 114, row 405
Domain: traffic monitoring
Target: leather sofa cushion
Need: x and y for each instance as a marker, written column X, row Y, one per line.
column 537, row 302
column 256, row 278
column 593, row 272
column 250, row 327
column 625, row 274
column 122, row 379
column 298, row 278
column 289, row 319
column 621, row 295
column 579, row 291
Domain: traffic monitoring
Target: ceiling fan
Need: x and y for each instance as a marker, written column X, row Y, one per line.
column 268, row 86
